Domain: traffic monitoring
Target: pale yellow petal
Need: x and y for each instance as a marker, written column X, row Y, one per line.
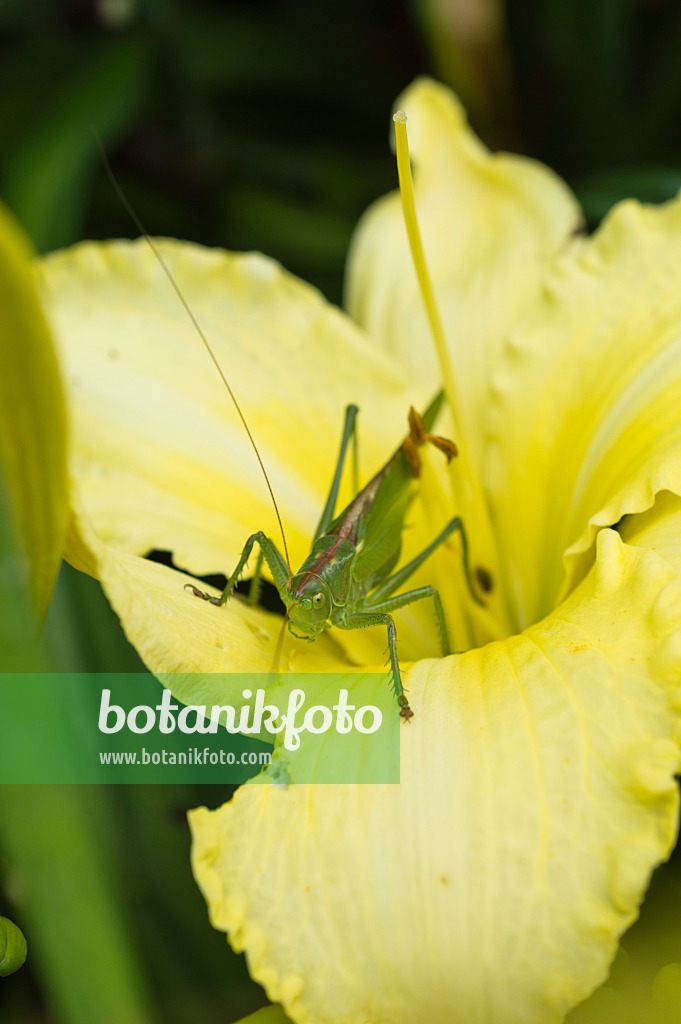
column 585, row 424
column 492, row 884
column 32, row 417
column 190, row 644
column 489, row 222
column 160, row 457
column 196, row 642
column 659, row 528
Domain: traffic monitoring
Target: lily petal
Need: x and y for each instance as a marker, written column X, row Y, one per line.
column 160, row 456
column 658, row 528
column 196, row 643
column 493, row 892
column 489, row 222
column 605, row 339
column 161, row 461
column 193, row 642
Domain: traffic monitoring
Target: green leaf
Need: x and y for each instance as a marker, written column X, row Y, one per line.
column 48, row 172
column 71, row 904
column 268, row 1015
column 32, row 420
column 12, row 947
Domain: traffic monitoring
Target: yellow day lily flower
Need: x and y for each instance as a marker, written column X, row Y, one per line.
column 537, row 795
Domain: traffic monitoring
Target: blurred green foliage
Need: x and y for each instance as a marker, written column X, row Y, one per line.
column 248, row 125
column 599, row 91
column 263, row 124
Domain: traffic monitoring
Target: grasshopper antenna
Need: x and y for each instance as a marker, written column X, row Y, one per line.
column 176, row 288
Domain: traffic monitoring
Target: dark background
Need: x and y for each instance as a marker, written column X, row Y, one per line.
column 264, row 125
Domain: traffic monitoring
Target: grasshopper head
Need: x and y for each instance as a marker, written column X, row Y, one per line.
column 309, row 605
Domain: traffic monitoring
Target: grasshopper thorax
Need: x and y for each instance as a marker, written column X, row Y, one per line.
column 309, row 605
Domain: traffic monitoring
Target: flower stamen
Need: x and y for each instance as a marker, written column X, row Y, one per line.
column 466, row 482
column 420, row 265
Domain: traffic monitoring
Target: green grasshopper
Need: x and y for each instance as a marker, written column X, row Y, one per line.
column 347, row 580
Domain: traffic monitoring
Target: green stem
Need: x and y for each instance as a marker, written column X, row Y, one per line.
column 70, row 905
column 67, row 901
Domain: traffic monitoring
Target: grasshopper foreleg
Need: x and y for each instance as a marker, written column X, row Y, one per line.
column 358, row 620
column 401, row 600
column 378, row 612
column 274, row 559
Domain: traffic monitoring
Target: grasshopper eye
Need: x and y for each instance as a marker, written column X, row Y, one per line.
column 318, row 599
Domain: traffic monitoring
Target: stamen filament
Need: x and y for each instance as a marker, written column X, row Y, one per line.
column 420, row 265
column 466, row 483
